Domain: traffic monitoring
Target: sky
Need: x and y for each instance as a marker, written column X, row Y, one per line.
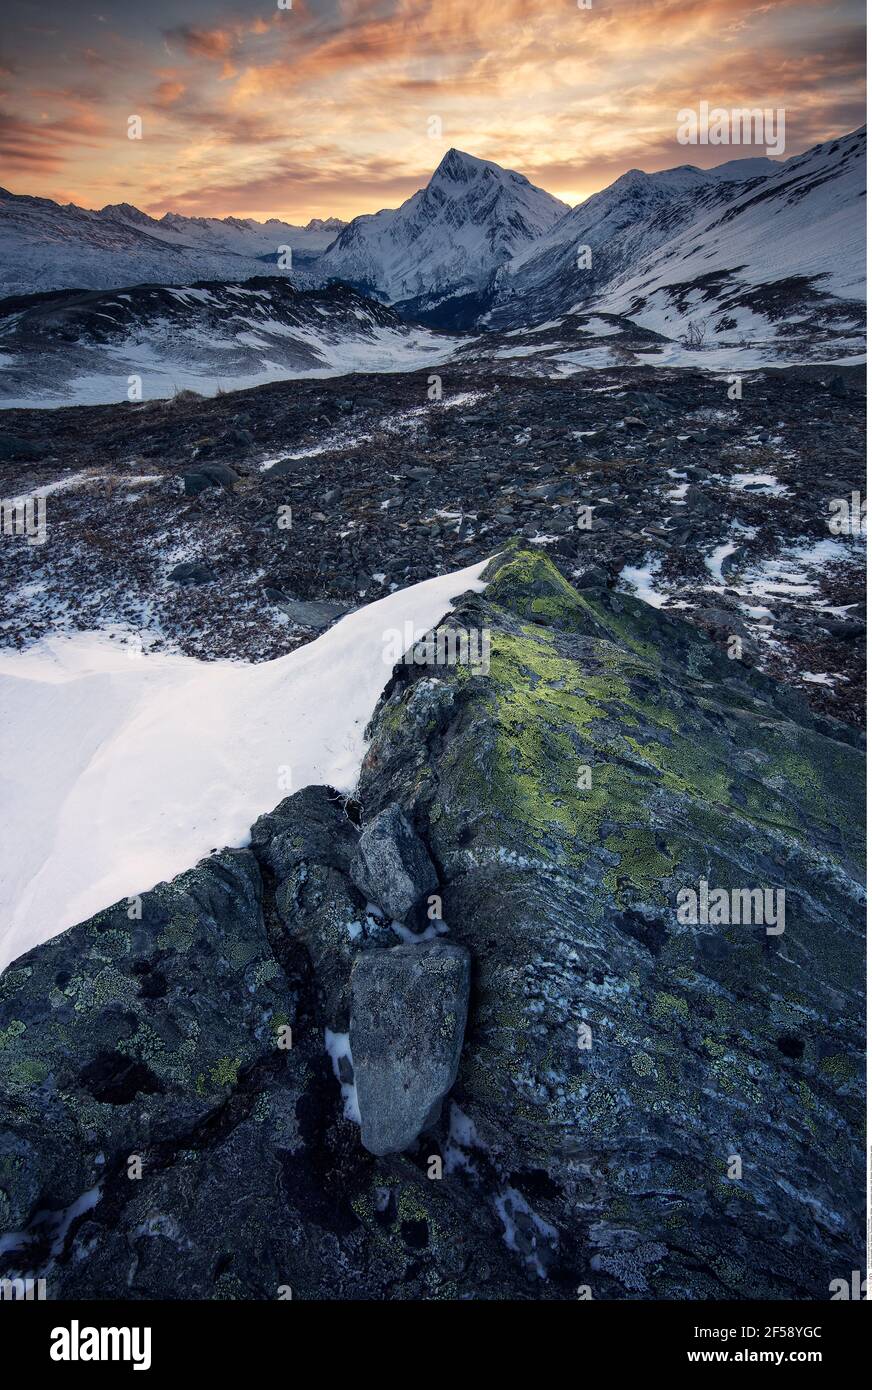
column 337, row 107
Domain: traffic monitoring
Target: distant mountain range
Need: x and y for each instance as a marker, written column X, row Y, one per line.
column 751, row 262
column 46, row 246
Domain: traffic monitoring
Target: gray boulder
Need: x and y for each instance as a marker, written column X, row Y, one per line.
column 210, row 475
column 192, row 572
column 314, row 613
column 392, row 866
column 309, row 827
column 408, row 1013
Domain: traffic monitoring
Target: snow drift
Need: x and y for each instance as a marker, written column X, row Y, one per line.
column 120, row 770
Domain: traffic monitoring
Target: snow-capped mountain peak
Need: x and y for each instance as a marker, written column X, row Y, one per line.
column 125, row 211
column 319, row 224
column 449, row 237
column 457, row 167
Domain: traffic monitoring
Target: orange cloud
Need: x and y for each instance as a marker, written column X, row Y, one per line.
column 327, row 108
column 168, row 92
column 203, row 43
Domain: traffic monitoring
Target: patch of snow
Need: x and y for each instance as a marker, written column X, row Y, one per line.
column 528, row 351
column 539, row 328
column 462, row 1138
column 433, row 929
column 796, row 572
column 338, row 1048
column 55, row 1223
column 118, row 773
column 62, row 484
column 598, row 327
column 766, row 484
column 640, row 580
column 714, row 563
column 537, row 1233
column 570, row 363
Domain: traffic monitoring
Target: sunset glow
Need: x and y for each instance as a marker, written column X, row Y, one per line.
column 327, row 108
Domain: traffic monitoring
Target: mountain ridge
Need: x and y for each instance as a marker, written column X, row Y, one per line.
column 760, row 256
column 48, row 246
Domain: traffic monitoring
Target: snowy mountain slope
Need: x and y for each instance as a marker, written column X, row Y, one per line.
column 784, row 259
column 449, row 237
column 770, row 267
column 44, row 246
column 627, row 220
column 82, row 347
column 118, row 773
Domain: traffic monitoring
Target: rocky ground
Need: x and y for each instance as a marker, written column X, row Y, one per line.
column 235, row 1087
column 335, row 490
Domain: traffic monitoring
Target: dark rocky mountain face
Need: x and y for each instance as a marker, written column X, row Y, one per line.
column 616, row 1059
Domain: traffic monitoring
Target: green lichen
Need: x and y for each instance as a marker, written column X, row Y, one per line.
column 180, row 933
column 13, row 979
column 265, row 971
column 226, row 1071
column 15, row 1030
column 27, row 1073
column 840, row 1067
column 91, row 993
column 667, row 1006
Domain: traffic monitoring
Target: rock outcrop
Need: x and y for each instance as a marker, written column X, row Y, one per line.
column 392, row 866
column 655, row 1097
column 408, row 1013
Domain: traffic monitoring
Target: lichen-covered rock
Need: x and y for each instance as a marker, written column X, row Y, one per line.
column 408, row 1013
column 123, row 1034
column 310, row 827
column 648, row 1104
column 392, row 866
column 621, row 1060
column 306, row 847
